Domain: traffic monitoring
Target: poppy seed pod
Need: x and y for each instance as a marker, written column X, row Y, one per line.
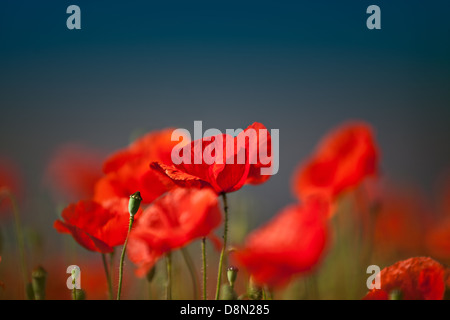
column 232, row 275
column 134, row 203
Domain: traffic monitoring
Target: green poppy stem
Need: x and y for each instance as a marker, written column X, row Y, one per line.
column 224, row 248
column 108, row 277
column 169, row 276
column 122, row 257
column 204, row 267
column 5, row 193
column 193, row 273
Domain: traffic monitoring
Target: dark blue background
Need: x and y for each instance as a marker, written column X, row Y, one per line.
column 302, row 67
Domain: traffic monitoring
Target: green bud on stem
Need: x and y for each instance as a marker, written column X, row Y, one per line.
column 232, row 275
column 134, row 203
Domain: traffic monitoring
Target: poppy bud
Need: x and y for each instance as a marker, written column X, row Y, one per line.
column 38, row 279
column 232, row 274
column 396, row 294
column 134, row 203
column 254, row 291
column 228, row 293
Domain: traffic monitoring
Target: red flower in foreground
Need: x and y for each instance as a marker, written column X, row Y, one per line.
column 128, row 169
column 248, row 157
column 96, row 227
column 417, row 279
column 73, row 171
column 171, row 222
column 292, row 243
column 342, row 160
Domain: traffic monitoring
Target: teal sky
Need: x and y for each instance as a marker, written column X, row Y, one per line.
column 302, row 67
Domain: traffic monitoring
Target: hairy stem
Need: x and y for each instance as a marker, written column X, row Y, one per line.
column 224, row 248
column 124, row 249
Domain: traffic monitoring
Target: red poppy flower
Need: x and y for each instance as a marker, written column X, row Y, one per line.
column 292, row 243
column 171, row 222
column 73, row 171
column 96, row 227
column 419, row 278
column 227, row 171
column 10, row 181
column 128, row 169
column 401, row 222
column 342, row 160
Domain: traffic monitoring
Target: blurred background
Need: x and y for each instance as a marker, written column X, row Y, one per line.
column 300, row 67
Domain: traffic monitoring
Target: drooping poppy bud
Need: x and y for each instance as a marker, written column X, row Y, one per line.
column 134, row 203
column 232, row 275
column 39, row 277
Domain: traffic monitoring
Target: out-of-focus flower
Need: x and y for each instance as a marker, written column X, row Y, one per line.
column 401, row 222
column 73, row 171
column 420, row 278
column 10, row 181
column 342, row 160
column 128, row 169
column 438, row 236
column 438, row 240
column 292, row 243
column 171, row 222
column 96, row 227
column 222, row 174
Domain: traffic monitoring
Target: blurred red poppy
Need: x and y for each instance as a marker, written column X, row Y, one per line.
column 292, row 243
column 342, row 160
column 438, row 237
column 96, row 227
column 171, row 222
column 438, row 240
column 420, row 278
column 401, row 222
column 128, row 169
column 73, row 171
column 10, row 181
column 222, row 175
